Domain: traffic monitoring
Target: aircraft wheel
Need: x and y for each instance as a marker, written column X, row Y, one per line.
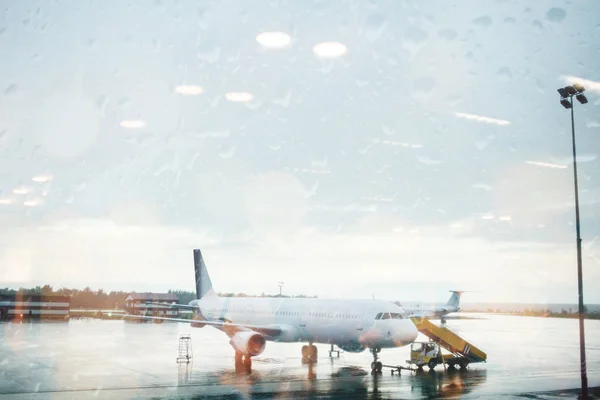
column 314, row 353
column 305, row 351
column 464, row 364
column 310, row 354
column 378, row 366
column 431, row 364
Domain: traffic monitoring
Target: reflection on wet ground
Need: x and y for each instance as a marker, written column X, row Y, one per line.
column 113, row 359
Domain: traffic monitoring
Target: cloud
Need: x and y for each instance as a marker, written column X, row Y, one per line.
column 86, row 252
column 479, row 118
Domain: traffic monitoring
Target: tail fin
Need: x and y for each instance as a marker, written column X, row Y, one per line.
column 454, row 300
column 203, row 283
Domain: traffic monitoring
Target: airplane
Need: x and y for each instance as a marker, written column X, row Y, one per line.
column 420, row 311
column 351, row 325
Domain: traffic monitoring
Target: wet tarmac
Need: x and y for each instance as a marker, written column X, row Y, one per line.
column 527, row 358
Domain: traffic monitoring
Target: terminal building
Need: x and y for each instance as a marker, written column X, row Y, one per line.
column 135, row 304
column 22, row 306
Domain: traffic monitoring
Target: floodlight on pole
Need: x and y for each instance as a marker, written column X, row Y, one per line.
column 280, row 287
column 567, row 93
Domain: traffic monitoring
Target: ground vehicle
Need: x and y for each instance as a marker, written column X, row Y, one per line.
column 430, row 354
column 462, row 352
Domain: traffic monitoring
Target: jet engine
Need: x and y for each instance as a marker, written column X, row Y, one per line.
column 249, row 343
column 352, row 348
column 197, row 322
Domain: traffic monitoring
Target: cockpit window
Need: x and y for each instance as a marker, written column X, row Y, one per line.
column 378, row 316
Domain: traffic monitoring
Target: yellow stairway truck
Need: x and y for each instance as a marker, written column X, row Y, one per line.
column 462, row 352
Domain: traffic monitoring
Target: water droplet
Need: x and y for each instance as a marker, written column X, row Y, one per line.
column 66, row 125
column 556, row 14
column 375, row 25
column 227, row 154
column 448, row 34
column 102, row 102
column 425, row 84
column 485, row 21
column 124, row 103
column 428, row 160
column 482, row 186
column 537, row 24
column 362, row 83
column 155, row 45
column 387, row 130
column 415, row 34
column 590, row 124
column 540, row 86
column 505, row 74
column 283, row 101
column 509, row 21
column 210, row 54
column 11, row 89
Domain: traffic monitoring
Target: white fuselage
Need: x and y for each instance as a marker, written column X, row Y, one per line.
column 346, row 323
column 429, row 311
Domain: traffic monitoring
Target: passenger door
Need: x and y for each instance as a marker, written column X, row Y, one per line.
column 360, row 316
column 304, row 322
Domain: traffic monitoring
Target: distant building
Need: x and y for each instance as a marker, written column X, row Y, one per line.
column 34, row 306
column 135, row 304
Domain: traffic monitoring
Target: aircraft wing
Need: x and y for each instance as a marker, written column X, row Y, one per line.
column 228, row 327
column 167, row 305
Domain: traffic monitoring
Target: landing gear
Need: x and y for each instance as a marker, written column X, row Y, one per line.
column 431, row 364
column 242, row 362
column 310, row 354
column 331, row 351
column 376, row 366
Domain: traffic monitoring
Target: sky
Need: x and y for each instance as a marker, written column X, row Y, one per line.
column 389, row 149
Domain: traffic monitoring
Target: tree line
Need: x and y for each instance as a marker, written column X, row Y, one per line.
column 115, row 300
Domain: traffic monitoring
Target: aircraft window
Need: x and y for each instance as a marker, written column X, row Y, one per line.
column 397, row 316
column 386, row 316
column 378, row 316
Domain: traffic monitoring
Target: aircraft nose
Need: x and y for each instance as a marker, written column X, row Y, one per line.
column 406, row 334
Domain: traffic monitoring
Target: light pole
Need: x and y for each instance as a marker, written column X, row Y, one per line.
column 566, row 99
column 280, row 286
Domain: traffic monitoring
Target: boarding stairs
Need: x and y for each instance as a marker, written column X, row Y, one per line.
column 450, row 341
